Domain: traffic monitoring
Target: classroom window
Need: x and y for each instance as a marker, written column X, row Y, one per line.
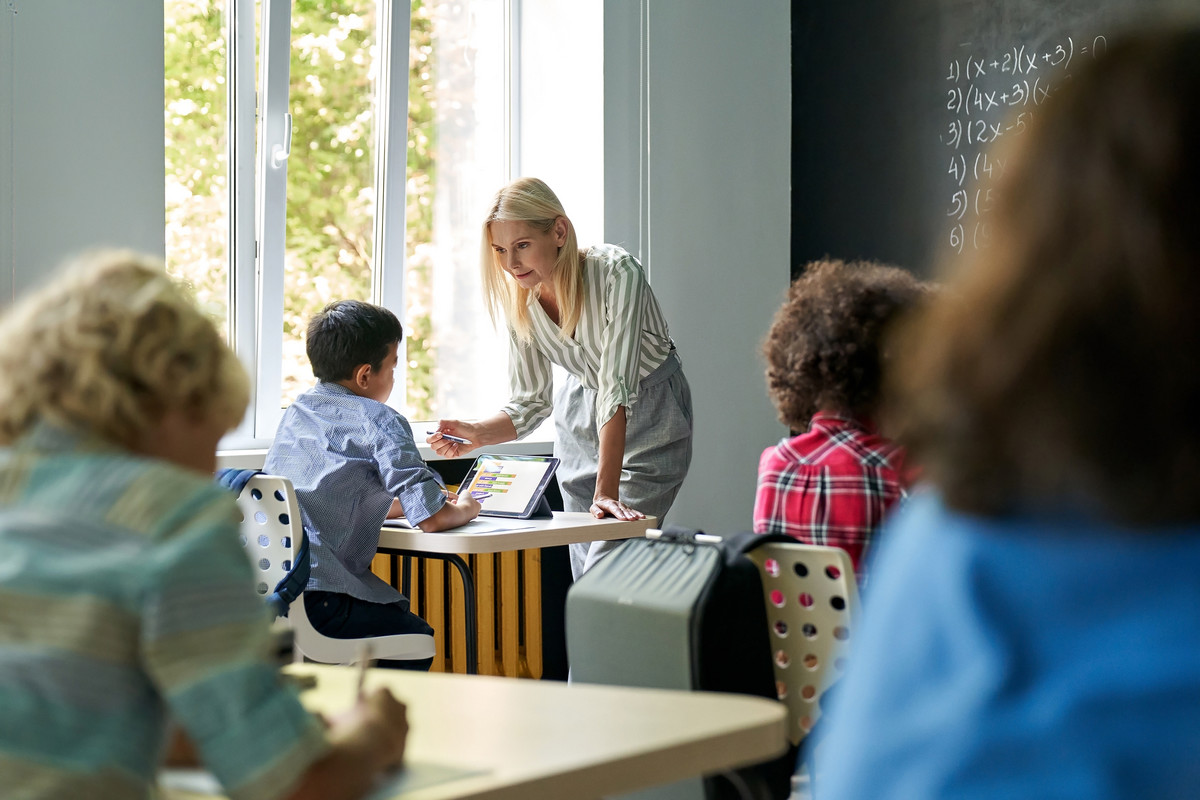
column 292, row 179
column 197, row 164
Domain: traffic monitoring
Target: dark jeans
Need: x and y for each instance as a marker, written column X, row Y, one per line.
column 340, row 616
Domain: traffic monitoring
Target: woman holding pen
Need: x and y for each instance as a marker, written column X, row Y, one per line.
column 624, row 414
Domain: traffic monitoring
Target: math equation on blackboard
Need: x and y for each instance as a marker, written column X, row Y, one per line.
column 991, row 96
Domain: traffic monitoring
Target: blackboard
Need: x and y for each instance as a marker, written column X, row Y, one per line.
column 895, row 104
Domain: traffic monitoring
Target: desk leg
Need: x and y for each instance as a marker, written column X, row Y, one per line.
column 401, row 586
column 468, row 582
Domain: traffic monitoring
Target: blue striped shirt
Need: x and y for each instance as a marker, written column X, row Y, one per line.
column 127, row 599
column 348, row 457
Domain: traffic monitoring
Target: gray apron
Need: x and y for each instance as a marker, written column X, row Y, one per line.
column 658, row 449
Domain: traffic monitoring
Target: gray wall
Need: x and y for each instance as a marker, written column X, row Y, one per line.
column 81, row 116
column 697, row 145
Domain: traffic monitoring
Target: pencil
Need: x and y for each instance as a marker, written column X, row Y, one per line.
column 364, row 663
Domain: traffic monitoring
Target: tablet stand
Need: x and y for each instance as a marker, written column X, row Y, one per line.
column 542, row 510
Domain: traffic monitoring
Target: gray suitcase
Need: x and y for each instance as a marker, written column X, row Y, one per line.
column 684, row 611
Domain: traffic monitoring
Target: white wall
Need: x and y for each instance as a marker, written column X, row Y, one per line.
column 697, row 181
column 81, row 116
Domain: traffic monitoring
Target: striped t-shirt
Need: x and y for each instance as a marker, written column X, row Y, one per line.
column 126, row 599
column 621, row 338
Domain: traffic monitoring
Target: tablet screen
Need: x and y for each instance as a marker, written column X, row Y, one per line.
column 508, row 486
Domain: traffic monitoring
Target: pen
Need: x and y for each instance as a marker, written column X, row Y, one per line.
column 364, row 663
column 458, row 439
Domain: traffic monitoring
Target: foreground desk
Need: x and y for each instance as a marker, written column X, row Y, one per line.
column 484, row 737
column 567, row 527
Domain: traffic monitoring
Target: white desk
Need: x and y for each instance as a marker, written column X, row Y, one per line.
column 475, row 736
column 567, row 527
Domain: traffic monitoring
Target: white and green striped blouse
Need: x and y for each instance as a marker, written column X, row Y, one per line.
column 621, row 338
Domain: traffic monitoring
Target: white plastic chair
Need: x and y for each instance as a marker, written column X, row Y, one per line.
column 812, row 605
column 271, row 535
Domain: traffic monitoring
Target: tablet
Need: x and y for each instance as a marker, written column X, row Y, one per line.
column 510, row 486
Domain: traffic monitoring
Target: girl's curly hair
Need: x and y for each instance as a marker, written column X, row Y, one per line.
column 825, row 348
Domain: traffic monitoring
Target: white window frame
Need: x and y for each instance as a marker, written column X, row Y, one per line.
column 258, row 203
column 270, row 225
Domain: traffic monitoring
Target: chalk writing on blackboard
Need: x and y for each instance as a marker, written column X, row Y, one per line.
column 990, row 96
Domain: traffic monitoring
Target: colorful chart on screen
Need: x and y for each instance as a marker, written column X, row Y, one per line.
column 509, row 486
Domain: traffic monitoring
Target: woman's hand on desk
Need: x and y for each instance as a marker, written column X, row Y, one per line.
column 605, row 506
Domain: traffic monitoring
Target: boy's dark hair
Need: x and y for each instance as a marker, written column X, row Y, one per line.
column 348, row 333
column 824, row 348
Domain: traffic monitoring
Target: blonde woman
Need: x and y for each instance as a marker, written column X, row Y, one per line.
column 624, row 414
column 127, row 604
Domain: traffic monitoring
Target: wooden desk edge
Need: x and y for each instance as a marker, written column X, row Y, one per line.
column 504, row 541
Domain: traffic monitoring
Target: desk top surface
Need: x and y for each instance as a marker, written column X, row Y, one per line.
column 567, row 527
column 474, row 736
column 504, row 738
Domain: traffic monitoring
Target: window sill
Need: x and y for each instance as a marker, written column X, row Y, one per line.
column 538, row 443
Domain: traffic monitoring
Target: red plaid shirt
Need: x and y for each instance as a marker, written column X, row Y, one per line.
column 830, row 486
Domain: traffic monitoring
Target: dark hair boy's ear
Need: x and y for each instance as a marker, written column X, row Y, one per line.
column 361, row 375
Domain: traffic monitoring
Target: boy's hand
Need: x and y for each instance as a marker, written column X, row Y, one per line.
column 468, row 504
column 458, row 511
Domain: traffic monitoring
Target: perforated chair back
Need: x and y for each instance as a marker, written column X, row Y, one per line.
column 812, row 604
column 270, row 519
column 271, row 531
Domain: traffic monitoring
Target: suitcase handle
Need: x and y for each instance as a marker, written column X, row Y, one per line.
column 682, row 536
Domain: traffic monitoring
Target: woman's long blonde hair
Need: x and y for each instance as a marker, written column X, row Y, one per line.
column 531, row 201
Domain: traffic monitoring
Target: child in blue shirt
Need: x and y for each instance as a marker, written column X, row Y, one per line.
column 354, row 463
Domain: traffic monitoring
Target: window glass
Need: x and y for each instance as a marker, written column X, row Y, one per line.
column 572, row 164
column 197, row 170
column 457, row 159
column 464, row 132
column 331, row 171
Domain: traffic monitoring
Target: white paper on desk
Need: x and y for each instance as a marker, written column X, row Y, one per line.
column 194, row 781
column 474, row 526
column 417, row 775
column 414, row 775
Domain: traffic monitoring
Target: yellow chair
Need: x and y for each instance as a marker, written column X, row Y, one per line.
column 271, row 534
